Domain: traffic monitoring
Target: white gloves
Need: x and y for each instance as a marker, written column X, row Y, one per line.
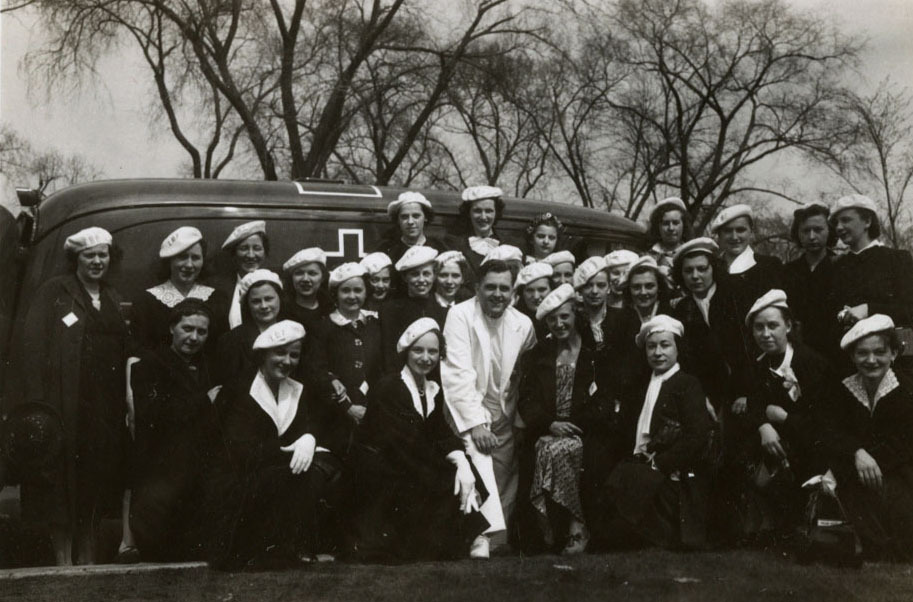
column 302, row 452
column 464, row 483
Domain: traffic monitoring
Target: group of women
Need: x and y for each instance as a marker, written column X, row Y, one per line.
column 679, row 398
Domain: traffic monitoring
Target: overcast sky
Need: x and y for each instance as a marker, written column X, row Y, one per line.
column 108, row 123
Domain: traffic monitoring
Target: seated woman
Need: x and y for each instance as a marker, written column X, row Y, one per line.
column 379, row 272
column 533, row 284
column 261, row 303
column 542, row 236
column 563, row 265
column 169, row 388
column 558, row 383
column 450, row 281
column 790, row 381
column 868, row 444
column 269, row 477
column 417, row 485
column 658, row 496
column 181, row 256
column 410, row 213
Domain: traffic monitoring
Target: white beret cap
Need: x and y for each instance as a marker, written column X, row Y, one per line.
column 554, row 300
column 252, row 278
column 586, row 270
column 88, row 237
column 728, row 214
column 772, row 298
column 345, row 272
column 375, row 262
column 532, row 272
column 279, row 334
column 646, row 261
column 704, row 245
column 479, row 193
column 309, row 255
column 243, row 231
column 854, row 201
column 504, row 253
column 672, row 201
column 450, row 257
column 560, row 257
column 863, row 328
column 414, row 332
column 415, row 256
column 620, row 257
column 407, row 197
column 179, row 241
column 659, row 323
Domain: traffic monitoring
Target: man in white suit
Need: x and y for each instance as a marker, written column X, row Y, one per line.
column 485, row 337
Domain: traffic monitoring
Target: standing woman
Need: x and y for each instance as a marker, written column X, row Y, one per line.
column 269, row 474
column 533, row 284
column 306, row 276
column 751, row 274
column 617, row 263
column 563, row 265
column 480, row 211
column 74, row 349
column 416, row 268
column 261, row 304
column 182, row 255
column 410, row 213
column 658, row 496
column 450, row 281
column 542, row 236
column 419, row 488
column 645, row 289
column 868, row 443
column 558, row 382
column 379, row 272
column 670, row 226
column 246, row 247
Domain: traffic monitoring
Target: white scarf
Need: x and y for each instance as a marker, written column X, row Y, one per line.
column 646, row 413
column 704, row 304
column 785, row 371
column 874, row 243
column 744, row 262
column 234, row 311
column 431, row 390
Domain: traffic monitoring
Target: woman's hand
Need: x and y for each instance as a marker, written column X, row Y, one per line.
column 776, row 414
column 868, row 470
column 562, row 428
column 770, row 441
column 302, row 452
column 356, row 413
column 339, row 390
column 740, row 405
column 464, row 485
column 484, row 440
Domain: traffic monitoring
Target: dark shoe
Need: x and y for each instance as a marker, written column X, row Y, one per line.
column 127, row 556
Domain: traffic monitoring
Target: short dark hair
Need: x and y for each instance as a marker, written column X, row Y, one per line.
column 263, row 238
column 290, row 287
column 465, row 206
column 114, row 252
column 188, row 307
column 543, row 219
column 441, row 342
column 662, row 288
column 497, row 266
column 164, row 269
column 803, row 213
column 656, row 220
column 245, row 309
column 716, row 265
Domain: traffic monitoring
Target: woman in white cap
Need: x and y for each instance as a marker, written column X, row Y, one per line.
column 418, row 495
column 558, row 386
column 670, row 226
column 645, row 289
column 658, row 495
column 543, row 236
column 790, row 384
column 410, row 213
column 868, row 443
column 416, row 269
column 352, row 346
column 182, row 255
column 306, row 279
column 751, row 274
column 379, row 271
column 480, row 211
column 533, row 284
column 870, row 278
column 261, row 306
column 563, row 265
column 73, row 348
column 269, row 472
column 450, row 280
column 617, row 263
column 244, row 250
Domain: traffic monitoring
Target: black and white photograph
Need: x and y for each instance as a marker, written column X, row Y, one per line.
column 451, row 300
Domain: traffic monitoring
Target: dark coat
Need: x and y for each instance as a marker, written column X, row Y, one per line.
column 235, row 353
column 879, row 276
column 810, row 294
column 747, row 287
column 394, row 247
column 618, row 353
column 395, row 317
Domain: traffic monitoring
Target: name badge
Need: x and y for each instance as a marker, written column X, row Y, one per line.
column 70, row 319
column 364, row 387
column 593, row 388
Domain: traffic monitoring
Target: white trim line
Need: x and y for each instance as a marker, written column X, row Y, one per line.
column 376, row 195
column 343, row 232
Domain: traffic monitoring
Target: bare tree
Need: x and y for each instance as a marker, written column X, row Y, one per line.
column 42, row 169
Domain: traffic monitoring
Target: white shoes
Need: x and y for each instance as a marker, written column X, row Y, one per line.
column 481, row 547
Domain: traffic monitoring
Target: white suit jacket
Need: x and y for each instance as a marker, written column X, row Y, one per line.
column 464, row 372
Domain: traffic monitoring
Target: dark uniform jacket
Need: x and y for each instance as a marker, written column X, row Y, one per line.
column 879, row 276
column 810, row 295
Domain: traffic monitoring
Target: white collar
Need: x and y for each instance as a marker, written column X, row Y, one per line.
column 442, row 301
column 483, row 246
column 854, row 385
column 659, row 249
column 704, row 304
column 874, row 243
column 431, row 391
column 652, row 313
column 170, row 296
column 785, row 371
column 283, row 409
column 743, row 262
column 363, row 314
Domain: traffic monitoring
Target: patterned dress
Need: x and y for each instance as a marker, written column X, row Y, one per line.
column 559, row 460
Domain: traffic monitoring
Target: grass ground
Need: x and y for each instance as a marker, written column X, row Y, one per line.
column 649, row 575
